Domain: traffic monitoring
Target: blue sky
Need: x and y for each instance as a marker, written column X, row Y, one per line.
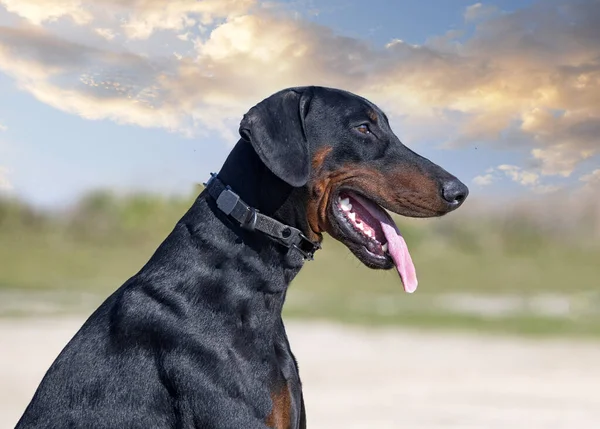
column 148, row 97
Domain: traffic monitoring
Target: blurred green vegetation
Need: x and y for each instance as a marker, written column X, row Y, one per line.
column 509, row 273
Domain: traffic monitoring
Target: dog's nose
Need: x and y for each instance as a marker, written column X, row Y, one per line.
column 454, row 192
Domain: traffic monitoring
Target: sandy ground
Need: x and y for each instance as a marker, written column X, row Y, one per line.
column 359, row 378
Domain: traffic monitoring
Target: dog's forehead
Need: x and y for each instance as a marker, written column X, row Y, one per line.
column 348, row 103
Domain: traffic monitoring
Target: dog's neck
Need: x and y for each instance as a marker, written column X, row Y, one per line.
column 240, row 273
column 244, row 172
column 247, row 176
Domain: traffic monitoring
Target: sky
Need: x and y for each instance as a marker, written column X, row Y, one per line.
column 147, row 95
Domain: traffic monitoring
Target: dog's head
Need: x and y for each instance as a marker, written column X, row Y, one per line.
column 339, row 148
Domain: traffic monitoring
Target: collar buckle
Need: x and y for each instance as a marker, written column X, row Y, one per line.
column 227, row 201
column 313, row 246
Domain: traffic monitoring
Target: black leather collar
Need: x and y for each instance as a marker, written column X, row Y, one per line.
column 250, row 219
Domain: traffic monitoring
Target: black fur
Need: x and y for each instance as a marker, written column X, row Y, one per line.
column 195, row 339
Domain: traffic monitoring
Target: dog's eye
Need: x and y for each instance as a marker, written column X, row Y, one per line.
column 364, row 128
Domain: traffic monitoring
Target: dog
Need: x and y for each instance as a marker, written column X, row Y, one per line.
column 195, row 339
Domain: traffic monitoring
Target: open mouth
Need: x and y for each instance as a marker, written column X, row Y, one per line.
column 368, row 225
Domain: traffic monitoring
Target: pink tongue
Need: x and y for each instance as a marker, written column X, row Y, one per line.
column 399, row 252
column 397, row 247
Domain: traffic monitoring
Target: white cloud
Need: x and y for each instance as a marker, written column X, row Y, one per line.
column 3, row 127
column 561, row 159
column 528, row 179
column 5, row 185
column 149, row 16
column 38, row 12
column 590, row 186
column 139, row 19
column 593, row 177
column 484, row 180
column 106, row 33
column 517, row 174
column 71, row 77
column 479, row 11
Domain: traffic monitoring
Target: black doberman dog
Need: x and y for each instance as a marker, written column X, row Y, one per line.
column 195, row 339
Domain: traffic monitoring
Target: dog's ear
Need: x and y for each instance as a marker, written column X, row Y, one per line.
column 275, row 128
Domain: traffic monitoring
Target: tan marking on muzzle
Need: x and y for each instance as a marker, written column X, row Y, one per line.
column 406, row 190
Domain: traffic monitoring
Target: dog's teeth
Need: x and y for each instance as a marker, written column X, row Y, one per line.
column 352, row 216
column 385, row 247
column 360, row 226
column 345, row 204
column 368, row 233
